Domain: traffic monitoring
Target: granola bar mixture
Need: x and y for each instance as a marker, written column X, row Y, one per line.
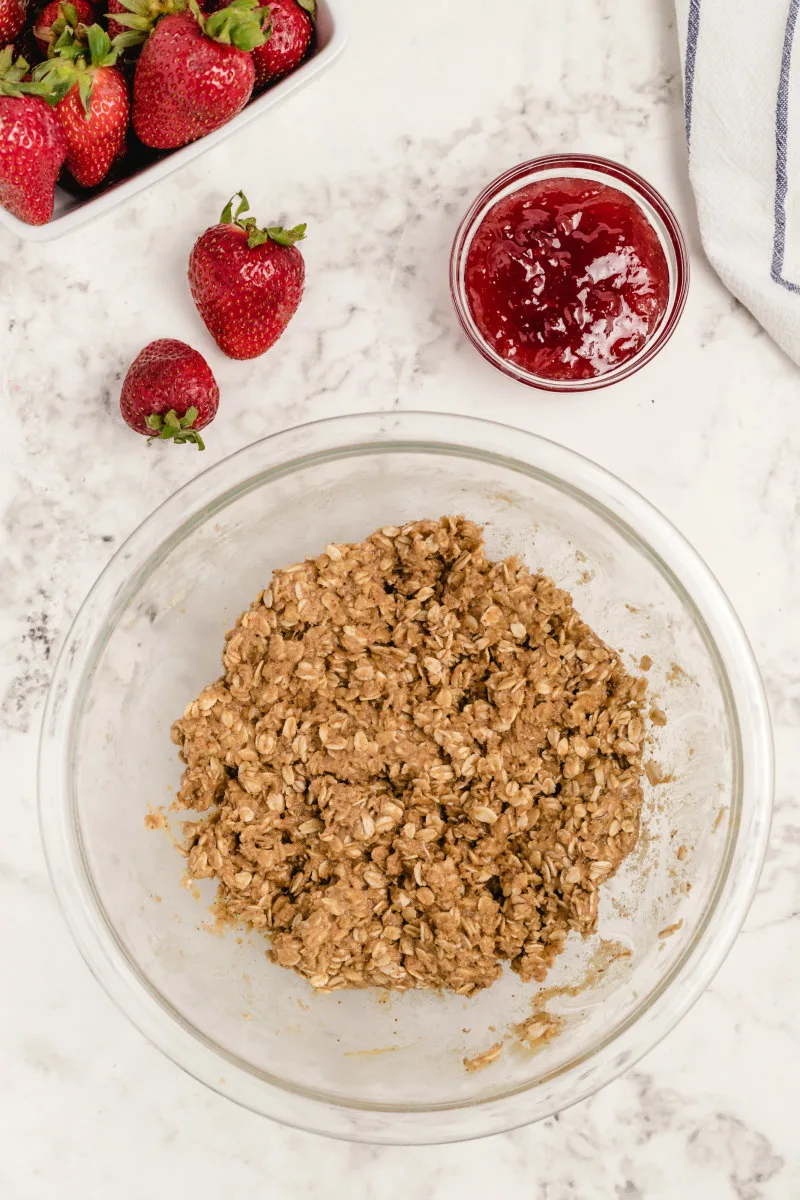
column 418, row 764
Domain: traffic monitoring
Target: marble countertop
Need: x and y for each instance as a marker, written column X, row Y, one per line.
column 380, row 157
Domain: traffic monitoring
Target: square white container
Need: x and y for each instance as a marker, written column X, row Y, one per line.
column 72, row 211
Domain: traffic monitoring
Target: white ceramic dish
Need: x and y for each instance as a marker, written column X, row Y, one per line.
column 72, row 211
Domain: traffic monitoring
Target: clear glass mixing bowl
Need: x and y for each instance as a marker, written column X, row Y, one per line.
column 367, row 1065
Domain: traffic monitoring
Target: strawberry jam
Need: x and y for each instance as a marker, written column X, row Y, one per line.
column 566, row 278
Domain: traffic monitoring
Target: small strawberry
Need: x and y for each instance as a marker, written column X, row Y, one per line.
column 32, row 145
column 195, row 73
column 92, row 102
column 12, row 19
column 290, row 26
column 58, row 16
column 246, row 282
column 114, row 28
column 169, row 393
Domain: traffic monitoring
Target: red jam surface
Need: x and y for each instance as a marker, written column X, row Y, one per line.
column 566, row 278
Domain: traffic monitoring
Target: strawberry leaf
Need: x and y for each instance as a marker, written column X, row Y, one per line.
column 137, row 8
column 14, row 83
column 12, row 73
column 141, row 17
column 142, row 24
column 255, row 235
column 101, row 52
column 310, row 6
column 68, row 65
column 53, row 79
column 237, row 25
column 286, row 237
column 171, row 427
column 131, row 37
column 228, row 216
column 85, row 91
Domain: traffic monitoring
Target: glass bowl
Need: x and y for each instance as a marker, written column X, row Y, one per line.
column 369, row 1065
column 601, row 170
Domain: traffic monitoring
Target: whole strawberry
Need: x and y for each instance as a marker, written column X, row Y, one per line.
column 195, row 73
column 246, row 282
column 291, row 27
column 32, row 145
column 57, row 17
column 12, row 19
column 169, row 393
column 92, row 102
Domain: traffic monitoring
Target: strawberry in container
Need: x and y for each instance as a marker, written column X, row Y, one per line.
column 32, row 144
column 91, row 101
column 194, row 73
column 290, row 26
column 56, row 17
column 13, row 14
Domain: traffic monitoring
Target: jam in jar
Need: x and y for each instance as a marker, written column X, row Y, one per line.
column 566, row 278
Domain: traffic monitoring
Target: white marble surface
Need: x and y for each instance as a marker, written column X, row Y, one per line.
column 430, row 101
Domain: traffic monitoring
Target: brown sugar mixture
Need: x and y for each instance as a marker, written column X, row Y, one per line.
column 417, row 765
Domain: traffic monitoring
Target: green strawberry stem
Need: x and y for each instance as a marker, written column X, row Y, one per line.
column 141, row 18
column 12, row 78
column 74, row 61
column 175, row 428
column 237, row 25
column 11, row 73
column 66, row 23
column 256, row 236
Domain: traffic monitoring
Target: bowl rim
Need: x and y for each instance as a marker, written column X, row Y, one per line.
column 396, row 432
column 655, row 209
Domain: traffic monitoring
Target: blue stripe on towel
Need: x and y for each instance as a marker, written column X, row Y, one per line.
column 781, row 142
column 691, row 57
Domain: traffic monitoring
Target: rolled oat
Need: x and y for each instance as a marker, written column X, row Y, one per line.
column 418, row 764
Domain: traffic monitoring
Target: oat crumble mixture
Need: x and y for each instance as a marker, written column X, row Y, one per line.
column 418, row 765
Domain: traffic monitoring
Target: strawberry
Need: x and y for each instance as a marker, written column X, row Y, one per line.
column 12, row 19
column 169, row 393
column 290, row 27
column 115, row 29
column 92, row 102
column 58, row 16
column 32, row 145
column 246, row 282
column 195, row 73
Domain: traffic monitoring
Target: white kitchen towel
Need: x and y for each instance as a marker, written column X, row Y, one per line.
column 742, row 96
